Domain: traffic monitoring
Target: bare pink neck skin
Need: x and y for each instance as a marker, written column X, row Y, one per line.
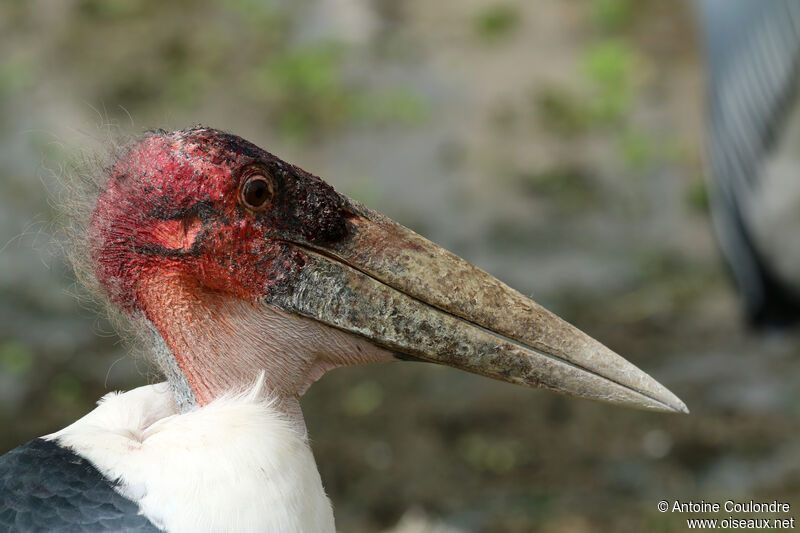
column 222, row 343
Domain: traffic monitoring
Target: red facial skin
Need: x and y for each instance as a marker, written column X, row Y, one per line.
column 172, row 206
column 172, row 238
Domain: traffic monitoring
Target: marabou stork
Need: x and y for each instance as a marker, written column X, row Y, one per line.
column 254, row 278
column 753, row 59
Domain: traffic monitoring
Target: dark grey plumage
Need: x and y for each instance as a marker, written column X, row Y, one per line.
column 47, row 488
column 752, row 58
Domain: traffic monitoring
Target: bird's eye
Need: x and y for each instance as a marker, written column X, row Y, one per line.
column 257, row 191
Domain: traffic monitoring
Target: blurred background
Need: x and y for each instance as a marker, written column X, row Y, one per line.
column 557, row 144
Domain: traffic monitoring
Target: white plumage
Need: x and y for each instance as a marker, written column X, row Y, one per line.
column 263, row 475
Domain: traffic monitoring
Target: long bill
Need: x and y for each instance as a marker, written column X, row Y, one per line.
column 404, row 293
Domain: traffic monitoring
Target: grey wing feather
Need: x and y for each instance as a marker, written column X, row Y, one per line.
column 47, row 488
column 752, row 52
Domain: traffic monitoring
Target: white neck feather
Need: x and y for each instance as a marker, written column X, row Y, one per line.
column 234, row 465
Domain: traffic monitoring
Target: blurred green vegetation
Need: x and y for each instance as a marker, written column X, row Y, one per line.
column 66, row 391
column 637, row 148
column 185, row 55
column 363, row 398
column 612, row 15
column 697, row 196
column 496, row 22
column 16, row 74
column 16, row 358
column 608, row 68
column 569, row 189
column 614, row 76
column 482, row 453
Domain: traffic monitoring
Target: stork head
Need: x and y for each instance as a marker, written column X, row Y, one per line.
column 244, row 263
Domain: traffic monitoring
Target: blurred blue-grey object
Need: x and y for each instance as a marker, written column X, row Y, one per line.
column 752, row 53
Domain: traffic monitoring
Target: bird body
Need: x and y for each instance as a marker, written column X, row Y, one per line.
column 752, row 53
column 263, row 477
column 240, row 269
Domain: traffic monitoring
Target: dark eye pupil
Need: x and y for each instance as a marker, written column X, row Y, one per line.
column 256, row 193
